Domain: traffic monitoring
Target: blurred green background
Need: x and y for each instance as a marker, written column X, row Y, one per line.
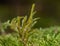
column 47, row 10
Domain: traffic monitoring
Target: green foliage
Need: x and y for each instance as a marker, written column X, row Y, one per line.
column 45, row 37
column 22, row 25
column 39, row 37
column 25, row 35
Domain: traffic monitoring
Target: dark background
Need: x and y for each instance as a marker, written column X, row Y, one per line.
column 47, row 10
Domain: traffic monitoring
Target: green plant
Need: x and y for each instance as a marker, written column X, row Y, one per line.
column 25, row 35
column 23, row 25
